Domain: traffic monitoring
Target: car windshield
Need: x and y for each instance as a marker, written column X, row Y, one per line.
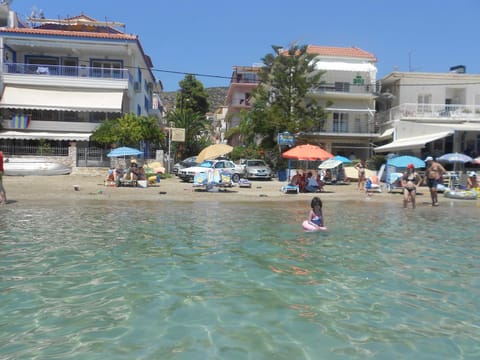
column 206, row 164
column 255, row 163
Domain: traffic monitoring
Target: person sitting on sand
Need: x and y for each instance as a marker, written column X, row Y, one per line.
column 312, row 184
column 472, row 182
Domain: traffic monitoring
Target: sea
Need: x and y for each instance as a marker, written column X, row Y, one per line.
column 214, row 280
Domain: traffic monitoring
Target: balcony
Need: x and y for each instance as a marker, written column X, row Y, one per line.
column 344, row 89
column 59, row 70
column 58, row 75
column 434, row 113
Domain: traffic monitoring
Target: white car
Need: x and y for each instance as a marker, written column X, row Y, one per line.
column 187, row 174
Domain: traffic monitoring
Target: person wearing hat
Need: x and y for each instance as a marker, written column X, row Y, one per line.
column 434, row 175
column 410, row 181
column 472, row 182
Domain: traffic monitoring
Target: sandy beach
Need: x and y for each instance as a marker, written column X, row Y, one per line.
column 91, row 187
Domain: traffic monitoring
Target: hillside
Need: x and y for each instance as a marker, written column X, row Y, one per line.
column 216, row 97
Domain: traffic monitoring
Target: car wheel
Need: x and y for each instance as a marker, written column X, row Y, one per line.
column 235, row 178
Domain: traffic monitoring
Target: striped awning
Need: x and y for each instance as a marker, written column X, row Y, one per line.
column 38, row 135
column 16, row 97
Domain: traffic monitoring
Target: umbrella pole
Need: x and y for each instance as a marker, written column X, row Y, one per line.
column 288, row 176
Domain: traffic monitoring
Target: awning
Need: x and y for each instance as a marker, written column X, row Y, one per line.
column 61, row 136
column 414, row 142
column 61, row 100
column 386, row 134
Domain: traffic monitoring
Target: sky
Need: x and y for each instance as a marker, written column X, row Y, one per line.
column 208, row 37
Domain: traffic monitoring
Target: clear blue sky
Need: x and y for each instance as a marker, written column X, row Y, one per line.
column 208, row 37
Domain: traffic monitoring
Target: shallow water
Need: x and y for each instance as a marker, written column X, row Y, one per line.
column 239, row 281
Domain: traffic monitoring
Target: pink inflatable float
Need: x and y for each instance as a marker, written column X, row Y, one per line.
column 308, row 226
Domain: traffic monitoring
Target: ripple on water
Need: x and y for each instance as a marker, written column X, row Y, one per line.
column 238, row 280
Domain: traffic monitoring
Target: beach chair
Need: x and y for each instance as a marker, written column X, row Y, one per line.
column 200, row 179
column 394, row 181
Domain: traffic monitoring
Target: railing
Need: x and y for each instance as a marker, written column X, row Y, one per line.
column 60, row 70
column 11, row 149
column 342, row 87
column 439, row 112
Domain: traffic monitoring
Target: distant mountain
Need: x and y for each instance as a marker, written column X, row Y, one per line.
column 216, row 98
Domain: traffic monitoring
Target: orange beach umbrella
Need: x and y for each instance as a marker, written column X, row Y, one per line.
column 307, row 152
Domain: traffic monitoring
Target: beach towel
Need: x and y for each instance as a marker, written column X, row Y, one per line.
column 20, row 121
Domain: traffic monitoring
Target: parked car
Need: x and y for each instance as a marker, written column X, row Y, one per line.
column 188, row 162
column 256, row 169
column 187, row 174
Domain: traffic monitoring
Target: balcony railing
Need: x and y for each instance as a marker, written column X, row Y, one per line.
column 70, row 71
column 342, row 87
column 437, row 112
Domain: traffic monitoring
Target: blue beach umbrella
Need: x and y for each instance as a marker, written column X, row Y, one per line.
column 124, row 151
column 343, row 159
column 403, row 161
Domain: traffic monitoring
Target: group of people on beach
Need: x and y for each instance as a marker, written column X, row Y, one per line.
column 118, row 175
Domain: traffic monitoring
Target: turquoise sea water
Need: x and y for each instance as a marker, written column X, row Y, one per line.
column 211, row 280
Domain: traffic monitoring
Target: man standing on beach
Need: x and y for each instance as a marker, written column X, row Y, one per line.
column 3, row 194
column 433, row 175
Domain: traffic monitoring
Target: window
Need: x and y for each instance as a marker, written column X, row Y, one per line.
column 424, row 101
column 342, row 86
column 106, row 68
column 340, row 122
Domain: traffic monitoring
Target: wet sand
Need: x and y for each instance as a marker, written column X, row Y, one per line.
column 87, row 187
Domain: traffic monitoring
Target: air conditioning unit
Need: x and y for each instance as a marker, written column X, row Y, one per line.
column 136, row 86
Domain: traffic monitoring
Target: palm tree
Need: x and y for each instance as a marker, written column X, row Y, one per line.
column 196, row 131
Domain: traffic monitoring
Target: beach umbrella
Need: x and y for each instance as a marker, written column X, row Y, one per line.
column 213, row 151
column 455, row 158
column 124, row 151
column 403, row 161
column 476, row 160
column 307, row 152
column 343, row 159
column 330, row 164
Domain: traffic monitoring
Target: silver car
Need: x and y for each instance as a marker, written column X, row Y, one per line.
column 256, row 169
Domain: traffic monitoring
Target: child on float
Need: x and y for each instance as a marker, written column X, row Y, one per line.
column 315, row 217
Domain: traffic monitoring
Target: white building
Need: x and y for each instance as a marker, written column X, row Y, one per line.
column 61, row 78
column 430, row 113
column 349, row 84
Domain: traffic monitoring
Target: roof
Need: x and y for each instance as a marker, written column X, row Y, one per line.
column 76, row 33
column 349, row 52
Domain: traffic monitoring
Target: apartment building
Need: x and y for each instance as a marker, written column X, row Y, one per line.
column 61, row 78
column 349, row 84
column 429, row 113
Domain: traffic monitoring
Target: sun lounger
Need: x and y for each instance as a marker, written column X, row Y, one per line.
column 290, row 189
column 124, row 182
column 212, row 179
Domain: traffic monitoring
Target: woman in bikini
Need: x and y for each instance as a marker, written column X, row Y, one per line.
column 410, row 181
column 361, row 174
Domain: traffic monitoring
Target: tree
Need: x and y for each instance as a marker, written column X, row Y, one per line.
column 196, row 131
column 128, row 130
column 282, row 101
column 192, row 96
